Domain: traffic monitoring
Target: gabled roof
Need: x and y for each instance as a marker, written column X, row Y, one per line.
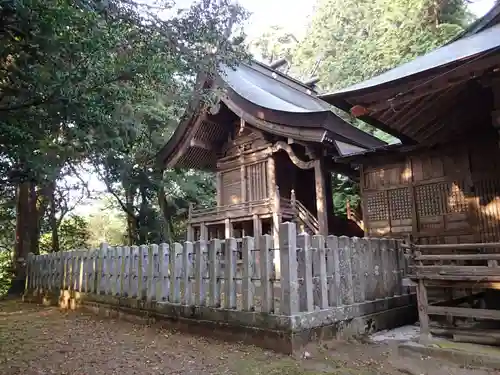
column 460, row 50
column 434, row 96
column 267, row 100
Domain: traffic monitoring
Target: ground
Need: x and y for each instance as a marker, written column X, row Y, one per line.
column 43, row 340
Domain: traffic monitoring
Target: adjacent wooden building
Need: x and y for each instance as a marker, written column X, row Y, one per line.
column 271, row 144
column 441, row 183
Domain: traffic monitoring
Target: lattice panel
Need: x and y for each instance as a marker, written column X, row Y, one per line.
column 456, row 200
column 377, row 207
column 400, row 203
column 431, row 199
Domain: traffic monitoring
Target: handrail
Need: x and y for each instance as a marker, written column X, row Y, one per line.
column 302, row 213
column 234, row 206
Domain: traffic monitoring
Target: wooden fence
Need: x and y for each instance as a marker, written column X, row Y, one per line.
column 335, row 277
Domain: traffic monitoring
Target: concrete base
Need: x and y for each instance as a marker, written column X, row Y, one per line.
column 467, row 355
column 268, row 331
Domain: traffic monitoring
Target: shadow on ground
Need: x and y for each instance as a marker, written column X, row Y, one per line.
column 43, row 340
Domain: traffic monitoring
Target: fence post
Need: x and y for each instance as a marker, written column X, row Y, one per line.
column 186, row 266
column 319, row 267
column 346, row 288
column 265, row 246
column 288, row 257
column 100, row 267
column 400, row 267
column 304, row 273
column 214, row 294
column 230, row 286
column 385, row 265
column 248, row 290
column 161, row 288
column 175, row 274
column 150, row 278
column 200, row 248
column 358, row 274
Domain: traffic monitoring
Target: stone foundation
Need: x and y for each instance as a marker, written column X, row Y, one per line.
column 268, row 331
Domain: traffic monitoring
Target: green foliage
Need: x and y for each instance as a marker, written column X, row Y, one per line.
column 5, row 270
column 74, row 233
column 352, row 40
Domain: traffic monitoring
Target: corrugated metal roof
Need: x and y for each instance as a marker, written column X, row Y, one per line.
column 462, row 49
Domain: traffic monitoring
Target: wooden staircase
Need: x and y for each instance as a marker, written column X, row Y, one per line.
column 306, row 218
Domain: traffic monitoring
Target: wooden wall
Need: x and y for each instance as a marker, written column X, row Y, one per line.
column 448, row 195
column 242, row 169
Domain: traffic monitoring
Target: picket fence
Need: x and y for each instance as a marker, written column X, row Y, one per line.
column 317, row 274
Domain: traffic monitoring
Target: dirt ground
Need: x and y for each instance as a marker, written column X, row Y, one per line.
column 43, row 340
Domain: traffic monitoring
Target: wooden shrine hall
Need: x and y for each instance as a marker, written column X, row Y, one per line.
column 440, row 186
column 271, row 143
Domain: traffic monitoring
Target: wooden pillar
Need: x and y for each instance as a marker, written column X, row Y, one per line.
column 203, row 232
column 321, row 204
column 243, row 184
column 218, row 179
column 190, row 229
column 274, row 196
column 257, row 226
column 228, row 228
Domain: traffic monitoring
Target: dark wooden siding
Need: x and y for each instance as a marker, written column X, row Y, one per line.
column 451, row 195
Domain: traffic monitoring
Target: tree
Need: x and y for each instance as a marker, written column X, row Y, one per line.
column 352, row 40
column 273, row 44
column 76, row 87
column 73, row 234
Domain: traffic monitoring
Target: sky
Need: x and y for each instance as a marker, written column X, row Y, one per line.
column 293, row 16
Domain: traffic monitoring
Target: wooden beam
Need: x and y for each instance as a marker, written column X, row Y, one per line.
column 423, row 311
column 321, row 197
column 464, row 312
column 228, row 226
column 280, row 145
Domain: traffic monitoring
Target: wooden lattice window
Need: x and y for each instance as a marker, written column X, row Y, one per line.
column 377, row 207
column 457, row 202
column 400, row 204
column 430, row 199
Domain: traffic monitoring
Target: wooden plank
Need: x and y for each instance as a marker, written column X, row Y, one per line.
column 458, row 270
column 459, row 257
column 462, row 284
column 457, row 278
column 461, row 246
column 423, row 310
column 464, row 312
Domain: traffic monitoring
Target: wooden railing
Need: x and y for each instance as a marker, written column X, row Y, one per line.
column 222, row 210
column 298, row 211
column 467, row 268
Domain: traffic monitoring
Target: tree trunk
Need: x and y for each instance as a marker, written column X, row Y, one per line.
column 54, row 226
column 22, row 246
column 131, row 221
